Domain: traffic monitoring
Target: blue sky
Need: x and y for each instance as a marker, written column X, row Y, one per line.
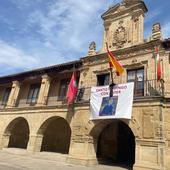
column 38, row 33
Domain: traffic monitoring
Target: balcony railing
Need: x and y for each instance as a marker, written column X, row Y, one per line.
column 149, row 88
column 3, row 104
column 54, row 100
column 25, row 103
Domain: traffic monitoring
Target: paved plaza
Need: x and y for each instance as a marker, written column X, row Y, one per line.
column 13, row 159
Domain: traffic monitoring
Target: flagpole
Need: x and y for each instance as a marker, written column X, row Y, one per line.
column 112, row 80
column 155, row 67
column 111, row 73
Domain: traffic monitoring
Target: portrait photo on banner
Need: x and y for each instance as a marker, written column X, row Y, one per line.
column 108, row 106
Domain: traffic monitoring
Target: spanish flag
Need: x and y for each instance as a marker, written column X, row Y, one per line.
column 114, row 63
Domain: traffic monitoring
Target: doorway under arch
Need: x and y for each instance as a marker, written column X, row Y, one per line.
column 116, row 145
column 56, row 135
column 18, row 130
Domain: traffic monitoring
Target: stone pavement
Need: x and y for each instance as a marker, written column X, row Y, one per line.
column 11, row 159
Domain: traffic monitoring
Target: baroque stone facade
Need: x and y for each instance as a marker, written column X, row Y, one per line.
column 34, row 114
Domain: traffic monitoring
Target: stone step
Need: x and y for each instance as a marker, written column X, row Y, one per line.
column 17, row 151
column 51, row 156
column 39, row 155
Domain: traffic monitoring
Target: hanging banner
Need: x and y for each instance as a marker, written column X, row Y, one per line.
column 119, row 106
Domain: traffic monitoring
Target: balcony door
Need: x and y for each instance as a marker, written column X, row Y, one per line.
column 137, row 76
column 103, row 79
column 33, row 94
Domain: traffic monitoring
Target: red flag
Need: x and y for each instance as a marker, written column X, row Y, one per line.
column 72, row 89
column 158, row 62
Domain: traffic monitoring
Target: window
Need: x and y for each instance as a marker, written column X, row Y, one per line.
column 137, row 76
column 63, row 88
column 6, row 96
column 33, row 93
column 103, row 79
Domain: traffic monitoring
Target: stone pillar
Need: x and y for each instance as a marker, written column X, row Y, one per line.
column 82, row 150
column 35, row 142
column 44, row 89
column 137, row 154
column 14, row 94
column 1, row 141
column 5, row 140
column 149, row 155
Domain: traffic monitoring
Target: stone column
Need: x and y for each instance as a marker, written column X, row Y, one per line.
column 137, row 154
column 44, row 89
column 35, row 142
column 82, row 150
column 14, row 94
column 1, row 141
column 149, row 155
column 5, row 140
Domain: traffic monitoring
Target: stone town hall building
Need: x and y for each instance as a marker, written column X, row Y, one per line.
column 34, row 114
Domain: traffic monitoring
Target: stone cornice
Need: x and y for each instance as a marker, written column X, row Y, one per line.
column 129, row 52
column 34, row 109
column 137, row 102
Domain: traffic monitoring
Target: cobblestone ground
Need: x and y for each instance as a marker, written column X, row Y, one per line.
column 12, row 161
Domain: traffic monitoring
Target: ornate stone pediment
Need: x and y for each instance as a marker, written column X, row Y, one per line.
column 126, row 4
column 123, row 24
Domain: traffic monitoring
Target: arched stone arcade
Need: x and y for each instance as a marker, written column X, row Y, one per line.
column 17, row 132
column 114, row 143
column 56, row 134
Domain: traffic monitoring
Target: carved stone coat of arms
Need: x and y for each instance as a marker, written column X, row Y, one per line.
column 120, row 37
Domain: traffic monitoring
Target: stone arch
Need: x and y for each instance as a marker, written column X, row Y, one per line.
column 114, row 142
column 56, row 134
column 17, row 133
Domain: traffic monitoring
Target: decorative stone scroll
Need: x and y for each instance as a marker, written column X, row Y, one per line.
column 92, row 48
column 156, row 31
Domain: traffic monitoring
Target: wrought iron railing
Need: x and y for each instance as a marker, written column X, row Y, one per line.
column 3, row 104
column 147, row 88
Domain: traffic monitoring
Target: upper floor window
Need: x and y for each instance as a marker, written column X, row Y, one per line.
column 103, row 79
column 6, row 96
column 33, row 93
column 137, row 76
column 63, row 88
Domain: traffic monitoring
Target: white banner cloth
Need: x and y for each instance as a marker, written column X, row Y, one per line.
column 119, row 106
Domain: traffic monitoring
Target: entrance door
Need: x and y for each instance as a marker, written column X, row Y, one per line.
column 116, row 145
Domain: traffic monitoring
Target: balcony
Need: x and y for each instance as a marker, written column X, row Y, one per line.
column 3, row 105
column 55, row 100
column 142, row 89
column 25, row 103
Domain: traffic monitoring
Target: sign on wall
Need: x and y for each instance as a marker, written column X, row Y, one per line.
column 119, row 106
